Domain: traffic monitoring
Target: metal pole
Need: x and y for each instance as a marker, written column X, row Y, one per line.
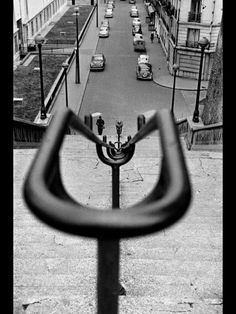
column 196, row 110
column 43, row 114
column 173, row 94
column 97, row 15
column 115, row 187
column 108, row 285
column 108, row 274
column 77, row 70
column 66, row 87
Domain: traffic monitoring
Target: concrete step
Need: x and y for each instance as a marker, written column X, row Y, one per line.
column 176, row 270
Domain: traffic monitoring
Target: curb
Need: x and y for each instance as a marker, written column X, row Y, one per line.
column 178, row 88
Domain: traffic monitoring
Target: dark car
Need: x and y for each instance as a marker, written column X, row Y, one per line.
column 98, row 62
column 144, row 71
column 136, row 29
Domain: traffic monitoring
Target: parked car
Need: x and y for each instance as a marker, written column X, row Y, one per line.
column 136, row 29
column 132, row 1
column 112, row 2
column 98, row 62
column 134, row 13
column 138, row 37
column 133, row 7
column 103, row 32
column 106, row 24
column 139, row 44
column 110, row 6
column 108, row 13
column 144, row 59
column 136, row 21
column 144, row 71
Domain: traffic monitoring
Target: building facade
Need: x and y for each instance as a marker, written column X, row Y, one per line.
column 180, row 24
column 29, row 18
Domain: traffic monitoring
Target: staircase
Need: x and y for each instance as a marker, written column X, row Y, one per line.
column 176, row 270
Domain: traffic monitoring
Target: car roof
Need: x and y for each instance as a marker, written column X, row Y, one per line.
column 138, row 36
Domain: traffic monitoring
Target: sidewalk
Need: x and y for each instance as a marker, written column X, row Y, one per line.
column 162, row 76
column 86, row 50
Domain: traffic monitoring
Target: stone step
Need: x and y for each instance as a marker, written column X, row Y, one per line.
column 177, row 269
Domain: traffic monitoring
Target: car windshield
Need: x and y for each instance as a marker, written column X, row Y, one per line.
column 145, row 67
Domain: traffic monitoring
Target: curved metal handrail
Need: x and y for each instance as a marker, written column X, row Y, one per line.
column 168, row 201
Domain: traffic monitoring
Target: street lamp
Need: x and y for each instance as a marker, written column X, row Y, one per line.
column 65, row 67
column 39, row 39
column 175, row 69
column 203, row 43
column 97, row 15
column 77, row 70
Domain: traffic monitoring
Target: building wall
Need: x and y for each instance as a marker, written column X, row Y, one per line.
column 184, row 49
column 32, row 16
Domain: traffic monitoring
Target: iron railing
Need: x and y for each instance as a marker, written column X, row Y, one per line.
column 46, row 197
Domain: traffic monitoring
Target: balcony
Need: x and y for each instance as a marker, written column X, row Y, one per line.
column 194, row 17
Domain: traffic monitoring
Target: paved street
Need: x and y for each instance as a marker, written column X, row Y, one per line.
column 115, row 92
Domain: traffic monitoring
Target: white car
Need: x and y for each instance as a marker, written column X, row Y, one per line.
column 134, row 13
column 136, row 21
column 109, row 6
column 111, row 2
column 106, row 24
column 108, row 13
column 143, row 59
column 103, row 32
column 138, row 37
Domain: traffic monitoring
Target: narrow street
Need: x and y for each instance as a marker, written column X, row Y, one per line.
column 115, row 92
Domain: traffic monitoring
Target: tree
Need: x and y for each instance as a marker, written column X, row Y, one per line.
column 212, row 111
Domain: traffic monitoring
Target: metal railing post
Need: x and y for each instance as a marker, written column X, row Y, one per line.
column 115, row 187
column 108, row 276
column 108, row 260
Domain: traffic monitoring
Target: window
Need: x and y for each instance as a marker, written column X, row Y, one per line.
column 36, row 24
column 16, row 43
column 32, row 28
column 45, row 15
column 196, row 6
column 195, row 14
column 40, row 19
column 193, row 37
column 26, row 32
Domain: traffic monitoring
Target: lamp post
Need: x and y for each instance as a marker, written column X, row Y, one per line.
column 65, row 67
column 203, row 43
column 39, row 39
column 175, row 69
column 97, row 15
column 77, row 69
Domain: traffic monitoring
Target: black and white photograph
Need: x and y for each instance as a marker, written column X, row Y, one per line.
column 117, row 156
